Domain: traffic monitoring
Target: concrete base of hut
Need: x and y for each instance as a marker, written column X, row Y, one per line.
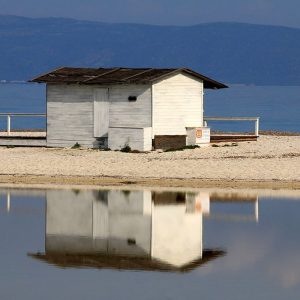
column 165, row 142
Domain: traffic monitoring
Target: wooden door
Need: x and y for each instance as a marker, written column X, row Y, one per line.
column 101, row 112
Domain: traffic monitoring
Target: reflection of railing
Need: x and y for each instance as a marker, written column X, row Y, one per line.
column 10, row 115
column 238, row 217
column 8, row 197
column 233, row 218
column 242, row 119
column 8, row 202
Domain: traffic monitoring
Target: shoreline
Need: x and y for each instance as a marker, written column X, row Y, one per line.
column 115, row 181
column 272, row 162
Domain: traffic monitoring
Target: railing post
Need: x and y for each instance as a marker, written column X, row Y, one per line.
column 257, row 127
column 8, row 124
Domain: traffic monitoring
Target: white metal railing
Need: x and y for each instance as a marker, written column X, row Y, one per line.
column 255, row 119
column 10, row 115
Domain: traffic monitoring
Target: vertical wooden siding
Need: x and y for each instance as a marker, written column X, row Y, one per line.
column 70, row 116
column 136, row 138
column 70, row 112
column 124, row 113
column 177, row 104
column 101, row 112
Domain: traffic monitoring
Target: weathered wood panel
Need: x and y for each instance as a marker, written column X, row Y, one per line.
column 101, row 112
column 23, row 142
column 136, row 138
column 177, row 104
column 166, row 142
column 70, row 115
column 124, row 113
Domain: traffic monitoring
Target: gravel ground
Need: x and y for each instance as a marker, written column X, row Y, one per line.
column 271, row 158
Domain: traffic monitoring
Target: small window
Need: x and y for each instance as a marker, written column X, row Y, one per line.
column 131, row 241
column 132, row 98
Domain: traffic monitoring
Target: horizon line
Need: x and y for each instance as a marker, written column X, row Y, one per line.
column 148, row 24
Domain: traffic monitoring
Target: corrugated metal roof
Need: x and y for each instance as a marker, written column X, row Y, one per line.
column 110, row 76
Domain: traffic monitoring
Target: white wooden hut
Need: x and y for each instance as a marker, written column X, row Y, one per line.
column 112, row 108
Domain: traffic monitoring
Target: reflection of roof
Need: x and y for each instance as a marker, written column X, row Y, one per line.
column 108, row 76
column 232, row 197
column 122, row 262
column 167, row 198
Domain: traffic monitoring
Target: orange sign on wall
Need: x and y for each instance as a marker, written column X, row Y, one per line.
column 199, row 133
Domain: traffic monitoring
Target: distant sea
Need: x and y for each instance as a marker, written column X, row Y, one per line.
column 278, row 106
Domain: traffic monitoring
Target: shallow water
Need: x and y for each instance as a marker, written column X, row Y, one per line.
column 142, row 244
column 278, row 106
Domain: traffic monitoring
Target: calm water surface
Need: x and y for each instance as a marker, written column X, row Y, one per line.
column 278, row 106
column 142, row 244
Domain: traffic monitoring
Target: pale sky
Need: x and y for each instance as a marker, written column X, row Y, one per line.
column 161, row 12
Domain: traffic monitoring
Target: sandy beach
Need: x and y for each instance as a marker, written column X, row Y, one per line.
column 271, row 162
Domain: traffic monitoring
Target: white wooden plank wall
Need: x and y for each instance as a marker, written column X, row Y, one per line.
column 177, row 104
column 70, row 115
column 70, row 111
column 137, row 138
column 124, row 113
column 101, row 112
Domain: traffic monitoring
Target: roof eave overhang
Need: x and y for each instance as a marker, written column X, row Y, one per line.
column 207, row 82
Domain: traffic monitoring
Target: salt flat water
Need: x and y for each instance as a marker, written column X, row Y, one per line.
column 278, row 106
column 149, row 244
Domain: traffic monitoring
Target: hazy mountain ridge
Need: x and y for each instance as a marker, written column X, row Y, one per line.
column 229, row 52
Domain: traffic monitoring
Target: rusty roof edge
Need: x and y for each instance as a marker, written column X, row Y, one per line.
column 36, row 79
column 172, row 72
column 132, row 76
column 98, row 76
column 205, row 78
column 218, row 85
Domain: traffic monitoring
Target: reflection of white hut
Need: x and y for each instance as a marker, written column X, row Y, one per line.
column 176, row 229
column 123, row 223
column 202, row 202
